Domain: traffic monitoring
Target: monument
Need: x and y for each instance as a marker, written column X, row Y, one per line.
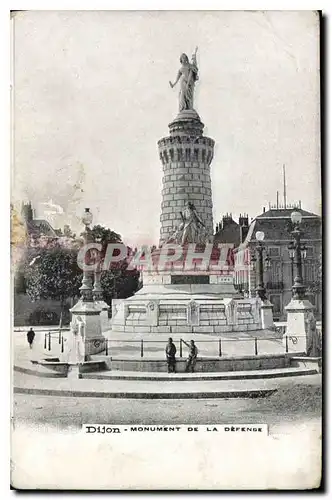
column 193, row 293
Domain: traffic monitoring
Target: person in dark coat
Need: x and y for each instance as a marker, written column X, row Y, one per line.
column 170, row 356
column 30, row 337
column 192, row 356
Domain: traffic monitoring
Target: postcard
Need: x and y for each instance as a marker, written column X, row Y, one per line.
column 166, row 250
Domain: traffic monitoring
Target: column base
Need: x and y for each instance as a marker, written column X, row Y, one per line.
column 301, row 325
column 267, row 315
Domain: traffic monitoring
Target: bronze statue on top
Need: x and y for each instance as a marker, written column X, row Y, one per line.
column 188, row 73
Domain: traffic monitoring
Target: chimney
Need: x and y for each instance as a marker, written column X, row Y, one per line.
column 27, row 212
column 244, row 226
column 263, row 210
column 226, row 220
column 244, row 220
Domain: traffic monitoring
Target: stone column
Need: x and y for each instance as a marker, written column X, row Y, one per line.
column 86, row 313
column 186, row 156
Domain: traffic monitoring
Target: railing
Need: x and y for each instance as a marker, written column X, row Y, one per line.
column 142, row 347
column 57, row 336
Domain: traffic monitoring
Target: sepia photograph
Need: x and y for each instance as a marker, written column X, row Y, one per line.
column 166, row 250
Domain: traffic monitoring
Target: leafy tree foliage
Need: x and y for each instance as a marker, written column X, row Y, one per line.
column 53, row 273
column 118, row 281
column 105, row 236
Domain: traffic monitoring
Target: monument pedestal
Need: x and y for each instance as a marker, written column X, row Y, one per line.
column 301, row 325
column 87, row 316
column 175, row 302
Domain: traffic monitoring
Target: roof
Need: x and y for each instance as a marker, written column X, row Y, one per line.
column 276, row 225
column 228, row 234
column 284, row 213
column 39, row 227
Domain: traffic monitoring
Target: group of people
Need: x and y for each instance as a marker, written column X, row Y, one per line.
column 171, row 352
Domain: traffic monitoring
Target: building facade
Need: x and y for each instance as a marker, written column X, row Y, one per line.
column 275, row 223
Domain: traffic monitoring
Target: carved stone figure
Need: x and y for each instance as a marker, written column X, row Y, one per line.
column 192, row 228
column 188, row 74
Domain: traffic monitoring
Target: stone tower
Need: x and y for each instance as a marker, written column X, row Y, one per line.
column 186, row 156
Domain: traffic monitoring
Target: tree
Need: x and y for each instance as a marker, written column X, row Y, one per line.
column 68, row 232
column 116, row 282
column 119, row 283
column 105, row 236
column 54, row 273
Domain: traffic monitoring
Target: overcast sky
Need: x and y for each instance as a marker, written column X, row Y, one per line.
column 91, row 100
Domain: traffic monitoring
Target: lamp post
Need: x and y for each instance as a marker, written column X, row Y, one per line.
column 260, row 289
column 86, row 312
column 86, row 288
column 97, row 291
column 299, row 252
column 301, row 322
column 291, row 250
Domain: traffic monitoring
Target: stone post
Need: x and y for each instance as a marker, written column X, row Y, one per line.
column 266, row 314
column 86, row 312
column 301, row 325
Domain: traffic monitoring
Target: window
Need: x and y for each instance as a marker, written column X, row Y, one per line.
column 274, row 251
column 275, row 271
column 310, row 252
column 276, row 303
column 309, row 272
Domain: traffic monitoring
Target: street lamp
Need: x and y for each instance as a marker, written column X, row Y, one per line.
column 291, row 250
column 86, row 288
column 260, row 289
column 298, row 251
column 97, row 291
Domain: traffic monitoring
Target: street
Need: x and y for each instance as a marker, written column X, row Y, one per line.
column 293, row 402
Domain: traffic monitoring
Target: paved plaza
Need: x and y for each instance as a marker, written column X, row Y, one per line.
column 128, row 345
column 297, row 401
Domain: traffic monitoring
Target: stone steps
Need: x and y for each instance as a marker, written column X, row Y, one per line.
column 194, row 388
column 170, row 377
column 118, row 394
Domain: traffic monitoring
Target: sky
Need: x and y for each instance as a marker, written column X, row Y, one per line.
column 91, row 99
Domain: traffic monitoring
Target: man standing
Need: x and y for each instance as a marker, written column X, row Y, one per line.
column 170, row 356
column 30, row 337
column 192, row 356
